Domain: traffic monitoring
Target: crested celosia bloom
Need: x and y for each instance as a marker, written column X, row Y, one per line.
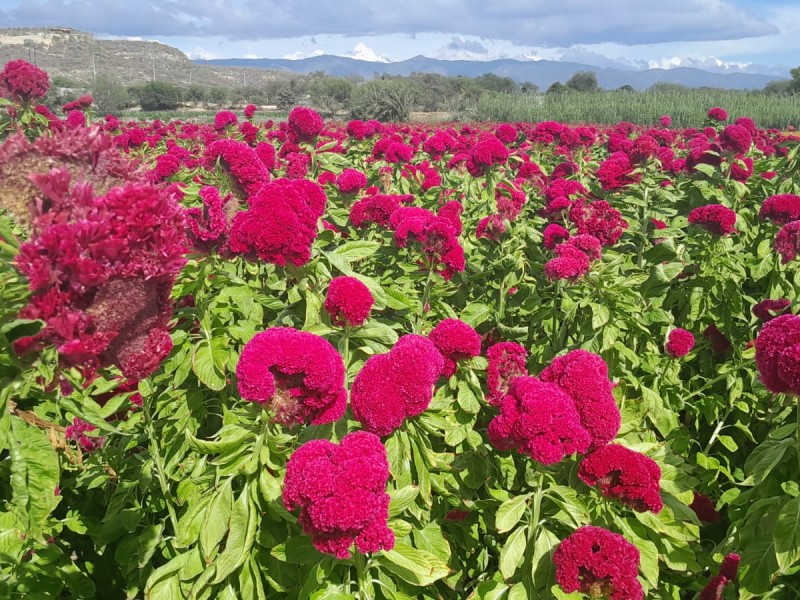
column 305, row 124
column 506, row 133
column 584, row 376
column 717, row 114
column 781, row 208
column 679, row 343
column 436, row 234
column 250, row 110
column 455, row 341
column 719, row 342
column 735, row 139
column 398, row 152
column 486, row 154
column 224, row 118
column 538, row 419
column 510, row 200
column 715, row 588
column 766, row 310
column 452, row 212
column 554, row 234
column 787, row 241
column 507, row 360
column 599, row 219
column 22, row 81
column 266, row 154
column 599, row 563
column 348, row 301
column 208, row 226
column 397, row 385
column 101, row 269
column 491, row 227
column 280, row 224
column 569, row 264
column 438, row 144
column 241, row 162
column 351, row 181
column 778, row 354
column 340, row 491
column 374, row 209
column 625, row 475
column 616, row 172
column 298, row 375
column 82, row 103
column 715, row 218
column 77, row 433
column 704, row 508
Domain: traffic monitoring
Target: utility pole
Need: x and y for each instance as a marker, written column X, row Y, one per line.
column 154, row 69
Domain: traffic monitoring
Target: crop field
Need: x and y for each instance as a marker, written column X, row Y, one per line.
column 258, row 358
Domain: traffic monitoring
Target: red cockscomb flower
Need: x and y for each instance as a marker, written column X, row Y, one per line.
column 506, row 361
column 397, row 385
column 538, row 419
column 717, row 114
column 624, row 475
column 704, row 508
column 778, row 354
column 715, row 218
column 351, row 181
column 456, row 341
column 679, row 343
column 735, row 139
column 491, row 227
column 348, row 301
column 22, row 81
column 781, row 208
column 340, row 491
column 374, row 209
column 766, row 310
column 242, row 163
column 600, row 563
column 305, row 124
column 715, row 588
column 299, row 375
column 787, row 241
column 554, row 234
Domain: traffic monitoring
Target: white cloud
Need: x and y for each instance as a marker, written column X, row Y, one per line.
column 363, row 52
column 300, row 54
column 200, row 54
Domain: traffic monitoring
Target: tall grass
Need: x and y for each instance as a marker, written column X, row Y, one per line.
column 687, row 108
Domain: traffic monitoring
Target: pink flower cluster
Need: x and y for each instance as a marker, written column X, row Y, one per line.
column 625, row 475
column 280, row 224
column 299, row 375
column 304, row 124
column 241, row 162
column 101, row 269
column 455, row 341
column 679, row 343
column 715, row 588
column 351, row 181
column 77, row 433
column 340, row 491
column 397, row 385
column 778, row 354
column 573, row 258
column 781, row 209
column 715, row 218
column 436, row 234
column 22, row 81
column 209, row 226
column 787, row 241
column 507, row 360
column 599, row 563
column 348, row 301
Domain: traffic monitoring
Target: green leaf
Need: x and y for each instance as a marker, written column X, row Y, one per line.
column 414, row 566
column 231, row 437
column 764, row 458
column 218, row 519
column 401, row 499
column 512, row 552
column 758, row 565
column 489, row 590
column 510, row 512
column 466, row 399
column 600, row 315
column 34, row 475
column 297, row 551
column 242, row 534
column 787, row 534
column 356, row 250
column 209, row 361
column 476, row 313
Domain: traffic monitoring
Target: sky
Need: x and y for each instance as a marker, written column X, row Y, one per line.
column 749, row 35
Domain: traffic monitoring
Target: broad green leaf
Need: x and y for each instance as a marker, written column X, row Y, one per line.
column 414, row 566
column 764, row 458
column 230, row 437
column 209, row 361
column 297, row 550
column 510, row 512
column 475, row 314
column 758, row 565
column 356, row 250
column 512, row 552
column 787, row 534
column 401, row 499
column 242, row 534
column 218, row 518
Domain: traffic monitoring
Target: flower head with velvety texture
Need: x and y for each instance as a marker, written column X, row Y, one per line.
column 397, row 385
column 340, row 491
column 781, row 209
column 506, row 362
column 679, row 343
column 778, row 354
column 625, row 475
column 299, row 375
column 455, row 341
column 715, row 218
column 600, row 563
column 348, row 301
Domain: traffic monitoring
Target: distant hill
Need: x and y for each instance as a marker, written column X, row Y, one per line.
column 542, row 72
column 79, row 56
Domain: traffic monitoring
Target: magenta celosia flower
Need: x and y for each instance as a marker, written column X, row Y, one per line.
column 305, row 124
column 719, row 342
column 297, row 165
column 77, row 433
column 538, row 419
column 570, row 264
column 599, row 563
column 715, row 588
column 625, row 475
column 598, row 219
column 281, row 223
column 486, row 154
column 167, row 165
column 787, row 241
column 665, row 120
column 224, row 118
column 766, row 310
column 586, row 243
column 348, row 301
column 101, row 269
column 246, row 170
column 397, row 385
column 717, row 114
column 679, row 343
column 209, row 226
column 351, row 181
column 438, row 144
column 506, row 133
column 374, row 209
column 507, row 360
column 778, row 354
column 715, row 218
column 554, row 234
column 616, row 172
column 456, row 341
column 491, row 227
column 340, row 491
column 584, row 376
column 781, row 208
column 398, row 152
column 452, row 212
column 510, row 200
column 82, row 103
column 250, row 110
column 436, row 235
column 730, row 566
column 22, row 81
column 741, row 168
column 298, row 375
column 266, row 154
column 704, row 508
column 430, row 180
column 735, row 139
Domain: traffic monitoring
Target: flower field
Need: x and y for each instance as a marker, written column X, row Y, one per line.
column 307, row 359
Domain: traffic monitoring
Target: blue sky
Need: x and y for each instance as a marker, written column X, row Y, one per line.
column 718, row 34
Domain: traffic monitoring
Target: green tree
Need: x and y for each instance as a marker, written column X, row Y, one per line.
column 157, row 95
column 383, row 99
column 794, row 84
column 779, row 87
column 332, row 94
column 495, row 83
column 583, row 81
column 110, row 96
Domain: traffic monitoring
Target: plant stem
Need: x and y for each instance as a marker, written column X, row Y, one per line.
column 425, row 297
column 161, row 472
column 797, row 406
column 718, row 428
column 346, row 353
column 362, row 576
column 642, row 231
column 533, row 527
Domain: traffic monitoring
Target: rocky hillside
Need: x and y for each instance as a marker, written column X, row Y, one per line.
column 80, row 56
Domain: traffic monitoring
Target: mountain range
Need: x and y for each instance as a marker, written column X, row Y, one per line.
column 541, row 72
